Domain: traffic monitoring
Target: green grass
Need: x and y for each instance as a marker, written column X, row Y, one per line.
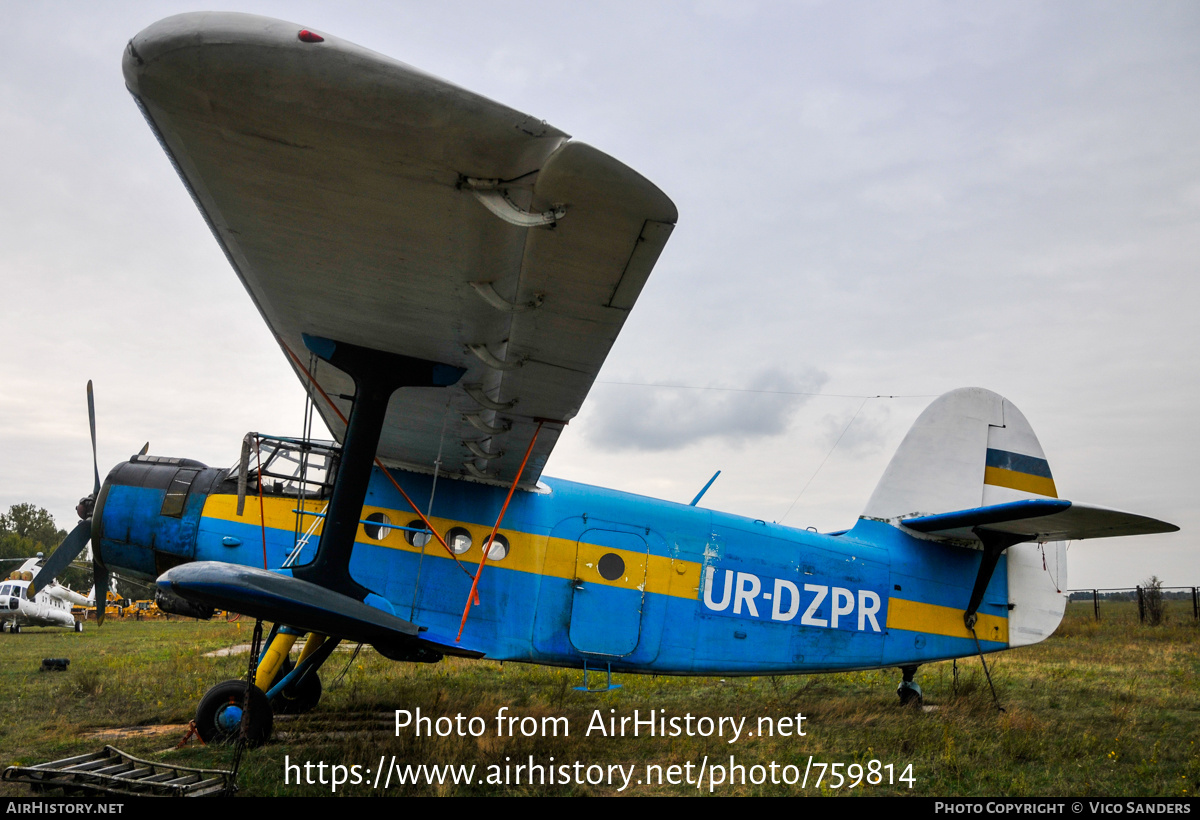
column 1100, row 709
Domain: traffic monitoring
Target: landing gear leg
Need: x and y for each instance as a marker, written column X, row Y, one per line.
column 909, row 692
column 279, row 644
column 295, row 694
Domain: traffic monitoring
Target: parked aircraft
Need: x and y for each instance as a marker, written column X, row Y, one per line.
column 446, row 276
column 42, row 606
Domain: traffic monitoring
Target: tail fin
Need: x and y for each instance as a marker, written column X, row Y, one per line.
column 971, row 470
column 971, row 463
column 970, row 448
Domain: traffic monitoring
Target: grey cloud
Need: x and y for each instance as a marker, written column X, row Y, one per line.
column 634, row 417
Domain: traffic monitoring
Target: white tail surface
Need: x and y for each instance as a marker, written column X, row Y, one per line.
column 973, row 448
column 1037, row 591
column 971, row 466
column 970, row 448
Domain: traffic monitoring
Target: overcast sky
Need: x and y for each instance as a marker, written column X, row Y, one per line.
column 876, row 199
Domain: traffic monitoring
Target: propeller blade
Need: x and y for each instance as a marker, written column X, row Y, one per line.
column 62, row 557
column 92, row 425
column 100, row 578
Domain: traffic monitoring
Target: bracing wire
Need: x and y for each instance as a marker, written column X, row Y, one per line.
column 827, row 455
column 769, row 392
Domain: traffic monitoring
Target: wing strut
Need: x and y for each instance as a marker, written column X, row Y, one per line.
column 487, row 545
column 378, row 463
column 377, row 375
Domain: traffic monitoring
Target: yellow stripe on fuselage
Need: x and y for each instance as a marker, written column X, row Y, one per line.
column 1036, row 484
column 278, row 512
column 557, row 558
column 537, row 554
column 914, row 616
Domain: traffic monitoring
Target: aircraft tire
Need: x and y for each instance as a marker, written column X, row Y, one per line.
column 219, row 715
column 910, row 694
column 299, row 698
column 15, row 629
column 79, row 626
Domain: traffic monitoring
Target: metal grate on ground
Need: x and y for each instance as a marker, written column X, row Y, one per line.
column 114, row 772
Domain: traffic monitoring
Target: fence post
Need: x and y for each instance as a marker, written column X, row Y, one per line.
column 1096, row 603
column 1195, row 604
column 1141, row 606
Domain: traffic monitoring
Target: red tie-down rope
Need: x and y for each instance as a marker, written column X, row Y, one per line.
column 487, row 546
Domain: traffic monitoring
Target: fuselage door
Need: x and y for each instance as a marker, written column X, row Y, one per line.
column 610, row 581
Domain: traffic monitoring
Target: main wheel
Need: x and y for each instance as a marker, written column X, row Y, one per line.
column 300, row 697
column 222, row 711
column 79, row 626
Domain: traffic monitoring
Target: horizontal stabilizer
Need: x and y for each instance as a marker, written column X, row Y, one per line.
column 282, row 599
column 1038, row 520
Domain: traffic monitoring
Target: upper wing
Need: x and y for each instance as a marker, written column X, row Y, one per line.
column 364, row 201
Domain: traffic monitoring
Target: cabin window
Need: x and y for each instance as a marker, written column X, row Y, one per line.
column 498, row 550
column 4, row 589
column 459, row 540
column 379, row 528
column 177, row 493
column 611, row 566
column 416, row 534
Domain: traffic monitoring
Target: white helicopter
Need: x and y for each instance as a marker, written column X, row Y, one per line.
column 49, row 606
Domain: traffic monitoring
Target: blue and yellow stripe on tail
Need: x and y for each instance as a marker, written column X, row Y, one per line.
column 1015, row 471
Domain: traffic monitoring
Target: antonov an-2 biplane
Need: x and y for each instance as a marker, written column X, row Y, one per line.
column 446, row 276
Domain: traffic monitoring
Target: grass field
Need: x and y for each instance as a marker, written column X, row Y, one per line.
column 1100, row 709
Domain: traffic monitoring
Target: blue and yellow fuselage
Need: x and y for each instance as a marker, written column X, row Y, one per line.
column 595, row 576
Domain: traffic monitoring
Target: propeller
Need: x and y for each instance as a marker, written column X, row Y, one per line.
column 62, row 557
column 92, row 427
column 79, row 537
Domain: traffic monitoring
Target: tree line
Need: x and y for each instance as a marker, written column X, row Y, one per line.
column 26, row 530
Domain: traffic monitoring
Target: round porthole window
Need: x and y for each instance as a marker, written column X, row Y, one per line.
column 611, row 566
column 498, row 549
column 379, row 528
column 416, row 535
column 458, row 540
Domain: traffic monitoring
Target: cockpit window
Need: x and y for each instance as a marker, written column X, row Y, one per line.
column 5, row 589
column 287, row 466
column 178, row 491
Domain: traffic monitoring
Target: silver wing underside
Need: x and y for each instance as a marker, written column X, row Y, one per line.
column 364, row 201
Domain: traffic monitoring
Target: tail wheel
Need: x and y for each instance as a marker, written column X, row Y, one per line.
column 910, row 694
column 222, row 711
